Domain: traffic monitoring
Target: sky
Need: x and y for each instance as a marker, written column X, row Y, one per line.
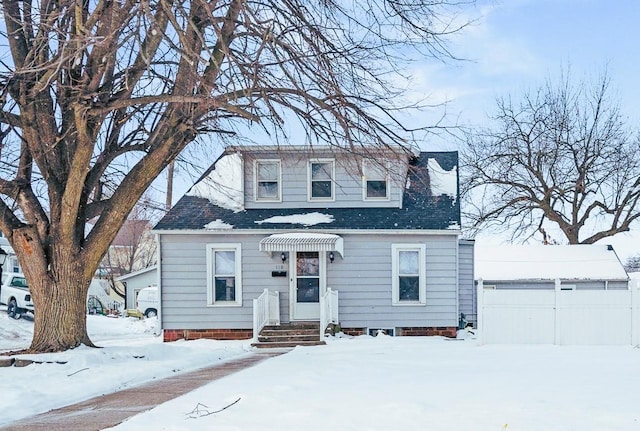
column 352, row 383
column 516, row 45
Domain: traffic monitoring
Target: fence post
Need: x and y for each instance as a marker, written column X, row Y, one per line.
column 480, row 311
column 558, row 313
column 635, row 312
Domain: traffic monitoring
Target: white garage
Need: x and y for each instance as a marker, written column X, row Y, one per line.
column 571, row 294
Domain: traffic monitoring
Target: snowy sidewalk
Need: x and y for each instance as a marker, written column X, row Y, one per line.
column 109, row 410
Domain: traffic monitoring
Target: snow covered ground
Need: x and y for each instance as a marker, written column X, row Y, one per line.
column 132, row 354
column 362, row 383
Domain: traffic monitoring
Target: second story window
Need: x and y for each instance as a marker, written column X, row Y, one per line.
column 267, row 173
column 321, row 173
column 376, row 181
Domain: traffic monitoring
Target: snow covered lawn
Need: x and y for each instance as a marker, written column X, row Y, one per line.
column 131, row 355
column 425, row 383
column 363, row 383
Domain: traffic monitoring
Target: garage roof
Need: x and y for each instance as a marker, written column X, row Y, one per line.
column 548, row 262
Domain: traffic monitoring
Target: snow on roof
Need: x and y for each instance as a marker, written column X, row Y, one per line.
column 442, row 182
column 308, row 219
column 223, row 186
column 547, row 262
column 218, row 224
column 634, row 275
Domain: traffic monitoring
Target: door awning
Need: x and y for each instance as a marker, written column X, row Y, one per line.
column 302, row 241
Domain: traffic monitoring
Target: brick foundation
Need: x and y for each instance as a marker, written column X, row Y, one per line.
column 212, row 334
column 354, row 331
column 444, row 331
column 244, row 334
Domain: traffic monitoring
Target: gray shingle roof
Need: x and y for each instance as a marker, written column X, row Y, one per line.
column 421, row 210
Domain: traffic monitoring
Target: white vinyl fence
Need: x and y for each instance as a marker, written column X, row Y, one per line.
column 573, row 317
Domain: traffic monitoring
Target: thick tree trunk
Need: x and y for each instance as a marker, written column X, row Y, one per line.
column 61, row 314
column 59, row 283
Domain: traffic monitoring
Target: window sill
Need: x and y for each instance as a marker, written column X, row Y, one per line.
column 409, row 304
column 321, row 200
column 224, row 304
column 267, row 200
column 387, row 199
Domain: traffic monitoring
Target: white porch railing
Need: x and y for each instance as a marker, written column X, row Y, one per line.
column 328, row 310
column 266, row 311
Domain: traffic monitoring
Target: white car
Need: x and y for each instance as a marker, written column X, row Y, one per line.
column 147, row 301
column 14, row 292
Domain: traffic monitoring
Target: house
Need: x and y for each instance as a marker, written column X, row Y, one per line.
column 586, row 266
column 133, row 249
column 273, row 236
column 11, row 263
column 134, row 282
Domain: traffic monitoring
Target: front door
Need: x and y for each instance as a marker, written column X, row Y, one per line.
column 307, row 282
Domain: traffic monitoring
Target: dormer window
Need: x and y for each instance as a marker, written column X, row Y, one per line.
column 321, row 180
column 268, row 180
column 375, row 181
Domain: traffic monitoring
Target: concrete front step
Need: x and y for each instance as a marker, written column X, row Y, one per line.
column 294, row 326
column 276, row 345
column 273, row 338
column 290, row 335
column 301, row 332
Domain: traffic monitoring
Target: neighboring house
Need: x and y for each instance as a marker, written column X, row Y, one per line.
column 11, row 263
column 298, row 225
column 133, row 248
column 592, row 266
column 134, row 282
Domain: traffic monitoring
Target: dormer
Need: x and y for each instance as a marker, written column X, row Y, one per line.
column 303, row 177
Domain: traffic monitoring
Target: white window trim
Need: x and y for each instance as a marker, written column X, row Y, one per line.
column 211, row 248
column 333, row 180
column 422, row 292
column 364, row 183
column 257, row 198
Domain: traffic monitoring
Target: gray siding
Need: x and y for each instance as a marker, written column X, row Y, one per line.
column 184, row 282
column 348, row 182
column 467, row 290
column 362, row 278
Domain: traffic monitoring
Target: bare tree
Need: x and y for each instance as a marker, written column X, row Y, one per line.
column 98, row 97
column 562, row 159
column 134, row 247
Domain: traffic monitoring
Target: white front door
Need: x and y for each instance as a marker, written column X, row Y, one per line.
column 307, row 269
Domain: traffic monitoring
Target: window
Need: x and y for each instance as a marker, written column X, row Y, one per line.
column 375, row 181
column 224, row 281
column 409, row 275
column 267, row 175
column 321, row 181
column 15, row 265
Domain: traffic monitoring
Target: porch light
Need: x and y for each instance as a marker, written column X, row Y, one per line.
column 331, row 257
column 3, row 258
column 283, row 256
